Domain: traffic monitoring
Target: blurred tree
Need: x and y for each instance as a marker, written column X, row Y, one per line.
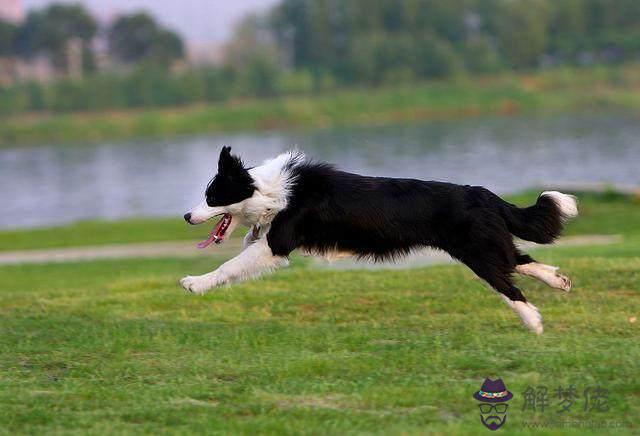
column 352, row 40
column 137, row 37
column 436, row 57
column 522, row 31
column 292, row 27
column 8, row 33
column 167, row 47
column 306, row 45
column 254, row 56
column 568, row 18
column 367, row 57
column 480, row 56
column 218, row 83
column 445, row 18
column 50, row 31
column 36, row 95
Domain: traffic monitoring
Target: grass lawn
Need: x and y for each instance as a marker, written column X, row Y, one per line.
column 116, row 346
column 87, row 233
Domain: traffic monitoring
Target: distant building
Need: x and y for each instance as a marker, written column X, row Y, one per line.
column 204, row 53
column 11, row 10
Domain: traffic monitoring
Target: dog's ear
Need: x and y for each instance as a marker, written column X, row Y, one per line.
column 225, row 159
column 229, row 164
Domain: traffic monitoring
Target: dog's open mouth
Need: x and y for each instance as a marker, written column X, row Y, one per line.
column 218, row 232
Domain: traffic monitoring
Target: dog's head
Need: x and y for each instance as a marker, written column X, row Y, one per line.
column 227, row 190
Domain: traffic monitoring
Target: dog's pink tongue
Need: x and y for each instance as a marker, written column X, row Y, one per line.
column 217, row 233
column 209, row 240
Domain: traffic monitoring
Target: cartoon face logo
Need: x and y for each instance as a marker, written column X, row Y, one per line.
column 493, row 416
column 493, row 397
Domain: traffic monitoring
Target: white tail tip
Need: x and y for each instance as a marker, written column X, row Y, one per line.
column 567, row 204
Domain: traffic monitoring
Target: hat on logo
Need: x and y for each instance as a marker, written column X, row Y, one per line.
column 493, row 391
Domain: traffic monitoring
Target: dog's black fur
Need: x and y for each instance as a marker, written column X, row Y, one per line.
column 290, row 202
column 384, row 218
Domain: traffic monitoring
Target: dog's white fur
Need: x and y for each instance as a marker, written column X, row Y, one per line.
column 547, row 274
column 567, row 203
column 251, row 262
column 528, row 313
column 272, row 184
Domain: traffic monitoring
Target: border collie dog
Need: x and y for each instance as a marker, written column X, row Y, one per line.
column 292, row 203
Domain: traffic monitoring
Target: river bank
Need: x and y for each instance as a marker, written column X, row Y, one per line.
column 551, row 91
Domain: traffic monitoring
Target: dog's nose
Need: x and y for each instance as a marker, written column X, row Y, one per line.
column 187, row 217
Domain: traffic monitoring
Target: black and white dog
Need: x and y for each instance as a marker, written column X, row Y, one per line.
column 291, row 203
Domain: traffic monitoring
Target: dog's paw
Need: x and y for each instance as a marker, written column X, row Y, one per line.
column 529, row 315
column 563, row 282
column 196, row 284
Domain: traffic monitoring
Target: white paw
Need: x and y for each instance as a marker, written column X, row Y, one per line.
column 563, row 282
column 197, row 284
column 529, row 315
column 553, row 278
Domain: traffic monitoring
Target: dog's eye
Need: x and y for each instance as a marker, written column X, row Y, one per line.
column 210, row 198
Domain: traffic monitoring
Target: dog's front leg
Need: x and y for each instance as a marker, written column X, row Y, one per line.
column 253, row 261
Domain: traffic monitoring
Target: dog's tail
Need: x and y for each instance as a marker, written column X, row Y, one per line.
column 542, row 222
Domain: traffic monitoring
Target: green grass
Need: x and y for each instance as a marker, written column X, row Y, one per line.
column 101, row 232
column 551, row 91
column 116, row 346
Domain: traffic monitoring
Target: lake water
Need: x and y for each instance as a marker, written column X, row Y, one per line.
column 46, row 185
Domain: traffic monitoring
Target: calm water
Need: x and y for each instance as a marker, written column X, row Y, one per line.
column 47, row 185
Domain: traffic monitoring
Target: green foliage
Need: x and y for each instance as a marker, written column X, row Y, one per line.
column 311, row 46
column 375, row 56
column 35, row 96
column 295, row 82
column 137, row 37
column 147, row 85
column 436, row 58
column 254, row 59
column 50, row 30
column 479, row 57
column 548, row 92
column 378, row 57
column 522, row 32
column 8, row 32
column 260, row 78
column 217, row 83
column 365, row 41
column 14, row 100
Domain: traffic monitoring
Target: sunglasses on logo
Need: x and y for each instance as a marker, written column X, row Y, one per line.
column 487, row 408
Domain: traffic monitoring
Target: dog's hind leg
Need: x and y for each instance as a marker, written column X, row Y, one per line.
column 545, row 273
column 490, row 253
column 501, row 282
